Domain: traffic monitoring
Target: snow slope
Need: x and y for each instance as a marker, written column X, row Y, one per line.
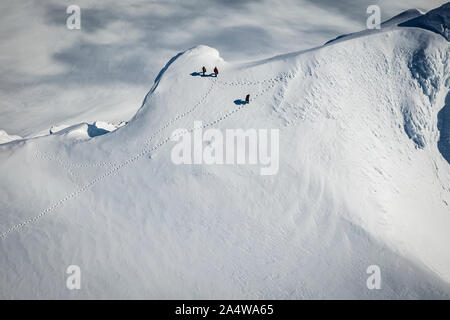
column 60, row 77
column 362, row 181
column 436, row 20
column 5, row 137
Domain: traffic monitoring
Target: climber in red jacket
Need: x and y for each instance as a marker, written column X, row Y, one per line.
column 216, row 71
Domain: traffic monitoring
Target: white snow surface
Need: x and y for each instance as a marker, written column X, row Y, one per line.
column 57, row 76
column 361, row 182
column 437, row 20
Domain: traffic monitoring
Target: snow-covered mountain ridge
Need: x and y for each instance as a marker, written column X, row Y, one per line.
column 362, row 181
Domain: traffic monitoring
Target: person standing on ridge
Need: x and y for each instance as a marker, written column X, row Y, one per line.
column 216, row 71
column 247, row 99
column 203, row 70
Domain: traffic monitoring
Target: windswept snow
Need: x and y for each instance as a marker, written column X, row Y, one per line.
column 437, row 20
column 58, row 76
column 402, row 17
column 5, row 137
column 363, row 180
column 85, row 131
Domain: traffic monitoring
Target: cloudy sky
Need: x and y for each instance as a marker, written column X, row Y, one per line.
column 51, row 75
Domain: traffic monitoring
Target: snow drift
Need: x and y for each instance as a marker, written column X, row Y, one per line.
column 363, row 180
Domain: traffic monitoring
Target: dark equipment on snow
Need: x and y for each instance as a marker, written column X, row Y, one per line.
column 247, row 99
column 203, row 70
column 216, row 71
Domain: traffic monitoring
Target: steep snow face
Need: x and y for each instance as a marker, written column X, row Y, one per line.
column 430, row 69
column 85, row 131
column 58, row 76
column 5, row 137
column 361, row 182
column 437, row 20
